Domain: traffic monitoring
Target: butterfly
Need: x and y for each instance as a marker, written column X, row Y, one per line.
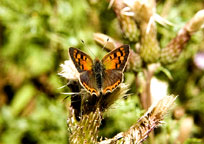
column 99, row 77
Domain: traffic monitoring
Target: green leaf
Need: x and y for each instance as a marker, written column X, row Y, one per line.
column 22, row 98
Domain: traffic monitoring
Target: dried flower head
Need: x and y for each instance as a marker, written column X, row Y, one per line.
column 150, row 120
column 127, row 23
column 69, row 71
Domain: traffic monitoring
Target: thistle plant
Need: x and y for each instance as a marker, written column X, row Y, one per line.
column 86, row 112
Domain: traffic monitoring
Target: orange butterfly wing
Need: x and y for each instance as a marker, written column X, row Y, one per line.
column 82, row 61
column 114, row 64
column 116, row 59
column 84, row 64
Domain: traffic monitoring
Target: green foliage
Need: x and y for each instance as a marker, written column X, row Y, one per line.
column 46, row 124
column 121, row 116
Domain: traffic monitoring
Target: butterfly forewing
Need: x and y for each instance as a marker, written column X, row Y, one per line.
column 116, row 59
column 82, row 61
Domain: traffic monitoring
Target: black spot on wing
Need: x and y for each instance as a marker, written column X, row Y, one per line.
column 119, row 61
column 121, row 52
column 116, row 65
column 115, row 55
column 79, row 61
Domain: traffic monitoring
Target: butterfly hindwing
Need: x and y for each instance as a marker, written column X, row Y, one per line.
column 88, row 81
column 116, row 59
column 111, row 79
column 82, row 61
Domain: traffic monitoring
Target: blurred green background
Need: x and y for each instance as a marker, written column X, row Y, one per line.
column 34, row 38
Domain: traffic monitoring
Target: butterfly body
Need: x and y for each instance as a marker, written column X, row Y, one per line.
column 98, row 72
column 100, row 76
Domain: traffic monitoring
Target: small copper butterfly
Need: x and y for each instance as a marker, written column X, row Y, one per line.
column 100, row 76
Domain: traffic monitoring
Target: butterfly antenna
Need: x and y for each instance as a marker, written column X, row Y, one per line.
column 87, row 48
column 105, row 43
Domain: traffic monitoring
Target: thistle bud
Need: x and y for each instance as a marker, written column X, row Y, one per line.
column 144, row 12
column 127, row 23
column 171, row 52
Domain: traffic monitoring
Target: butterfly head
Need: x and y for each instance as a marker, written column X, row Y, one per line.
column 97, row 66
